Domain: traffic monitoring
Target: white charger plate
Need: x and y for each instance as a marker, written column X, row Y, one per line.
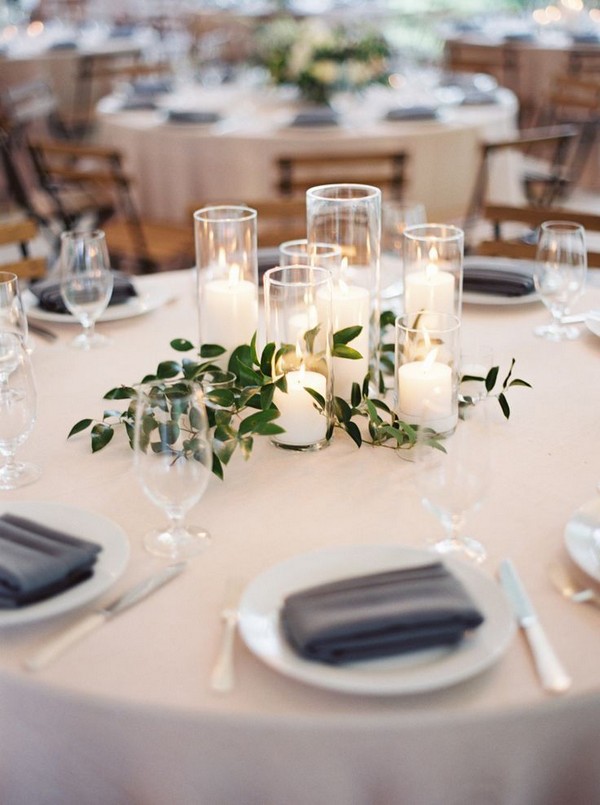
column 582, row 537
column 150, row 299
column 592, row 322
column 416, row 672
column 506, row 264
column 109, row 566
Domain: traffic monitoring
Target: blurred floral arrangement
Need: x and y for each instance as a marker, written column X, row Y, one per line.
column 321, row 60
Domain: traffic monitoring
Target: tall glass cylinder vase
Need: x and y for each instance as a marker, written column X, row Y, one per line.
column 227, row 274
column 433, row 269
column 428, row 370
column 298, row 322
column 349, row 215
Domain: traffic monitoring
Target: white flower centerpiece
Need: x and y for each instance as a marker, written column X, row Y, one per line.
column 321, row 60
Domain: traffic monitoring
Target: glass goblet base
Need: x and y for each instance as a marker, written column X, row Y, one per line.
column 177, row 542
column 85, row 342
column 557, row 332
column 18, row 473
column 471, row 548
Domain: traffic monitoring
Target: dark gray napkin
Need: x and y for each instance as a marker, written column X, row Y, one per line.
column 379, row 615
column 412, row 113
column 316, row 117
column 190, row 116
column 135, row 104
column 151, row 86
column 37, row 562
column 476, row 97
column 497, row 281
column 50, row 298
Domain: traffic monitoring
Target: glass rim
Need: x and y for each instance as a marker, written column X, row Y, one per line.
column 369, row 192
column 269, row 276
column 229, row 213
column 89, row 234
column 10, row 277
column 334, row 248
column 566, row 226
column 421, row 232
column 448, row 321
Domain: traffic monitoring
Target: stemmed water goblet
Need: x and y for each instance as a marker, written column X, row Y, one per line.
column 86, row 282
column 559, row 274
column 17, row 410
column 452, row 477
column 173, row 461
column 12, row 313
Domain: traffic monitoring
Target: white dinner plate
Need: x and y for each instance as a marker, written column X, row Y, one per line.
column 582, row 537
column 420, row 671
column 592, row 322
column 506, row 264
column 135, row 306
column 110, row 564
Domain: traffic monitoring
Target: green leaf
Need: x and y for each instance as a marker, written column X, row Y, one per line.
column 250, row 423
column 353, row 432
column 518, row 382
column 373, row 415
column 491, row 377
column 269, row 429
column 316, row 396
column 168, row 369
column 211, row 350
column 240, row 355
column 223, row 397
column 181, row 344
column 121, row 393
column 387, row 319
column 266, row 395
column 310, row 338
column 217, row 467
column 355, row 395
column 504, row 405
column 346, row 335
column 507, row 378
column 101, row 436
column 266, row 359
column 111, row 413
column 79, row 426
column 342, row 410
column 246, row 445
column 225, row 450
column 342, row 351
column 253, row 353
column 381, row 405
column 169, row 432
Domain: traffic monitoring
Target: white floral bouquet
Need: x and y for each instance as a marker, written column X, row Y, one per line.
column 320, row 60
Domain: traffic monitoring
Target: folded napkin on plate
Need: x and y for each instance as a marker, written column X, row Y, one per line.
column 151, row 86
column 37, row 562
column 64, row 44
column 379, row 615
column 585, row 38
column 191, row 116
column 50, row 298
column 316, row 117
column 412, row 113
column 497, row 281
column 138, row 104
column 476, row 97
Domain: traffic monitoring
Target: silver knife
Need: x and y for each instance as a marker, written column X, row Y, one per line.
column 552, row 675
column 62, row 641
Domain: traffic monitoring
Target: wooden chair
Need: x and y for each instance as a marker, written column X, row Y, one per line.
column 298, row 172
column 135, row 244
column 19, row 232
column 543, row 159
column 522, row 221
column 278, row 220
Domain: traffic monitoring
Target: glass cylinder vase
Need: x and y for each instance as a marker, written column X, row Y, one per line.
column 349, row 215
column 428, row 370
column 433, row 269
column 302, row 253
column 227, row 275
column 298, row 322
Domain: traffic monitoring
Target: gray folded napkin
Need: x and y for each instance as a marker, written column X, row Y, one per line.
column 585, row 39
column 379, row 615
column 50, row 298
column 412, row 113
column 37, row 562
column 476, row 97
column 138, row 104
column 190, row 116
column 316, row 117
column 151, row 86
column 497, row 281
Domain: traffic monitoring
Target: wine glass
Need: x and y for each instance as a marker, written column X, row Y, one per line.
column 17, row 410
column 452, row 477
column 559, row 274
column 173, row 461
column 12, row 313
column 86, row 282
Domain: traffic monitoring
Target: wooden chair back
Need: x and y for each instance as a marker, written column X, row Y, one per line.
column 386, row 170
column 19, row 233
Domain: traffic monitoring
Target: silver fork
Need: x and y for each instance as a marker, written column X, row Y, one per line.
column 222, row 677
column 567, row 587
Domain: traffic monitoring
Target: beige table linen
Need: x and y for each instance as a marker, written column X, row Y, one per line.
column 127, row 716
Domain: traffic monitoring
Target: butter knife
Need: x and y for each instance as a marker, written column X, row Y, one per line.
column 552, row 675
column 65, row 639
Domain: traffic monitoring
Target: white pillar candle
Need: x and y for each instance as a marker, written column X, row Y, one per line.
column 351, row 306
column 229, row 311
column 303, row 423
column 425, row 394
column 430, row 289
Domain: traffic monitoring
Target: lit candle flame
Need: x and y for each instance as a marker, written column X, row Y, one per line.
column 234, row 274
column 431, row 269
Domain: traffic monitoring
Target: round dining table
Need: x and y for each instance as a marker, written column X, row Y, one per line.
column 178, row 163
column 127, row 715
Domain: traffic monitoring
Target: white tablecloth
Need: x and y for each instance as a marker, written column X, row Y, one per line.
column 127, row 715
column 178, row 165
